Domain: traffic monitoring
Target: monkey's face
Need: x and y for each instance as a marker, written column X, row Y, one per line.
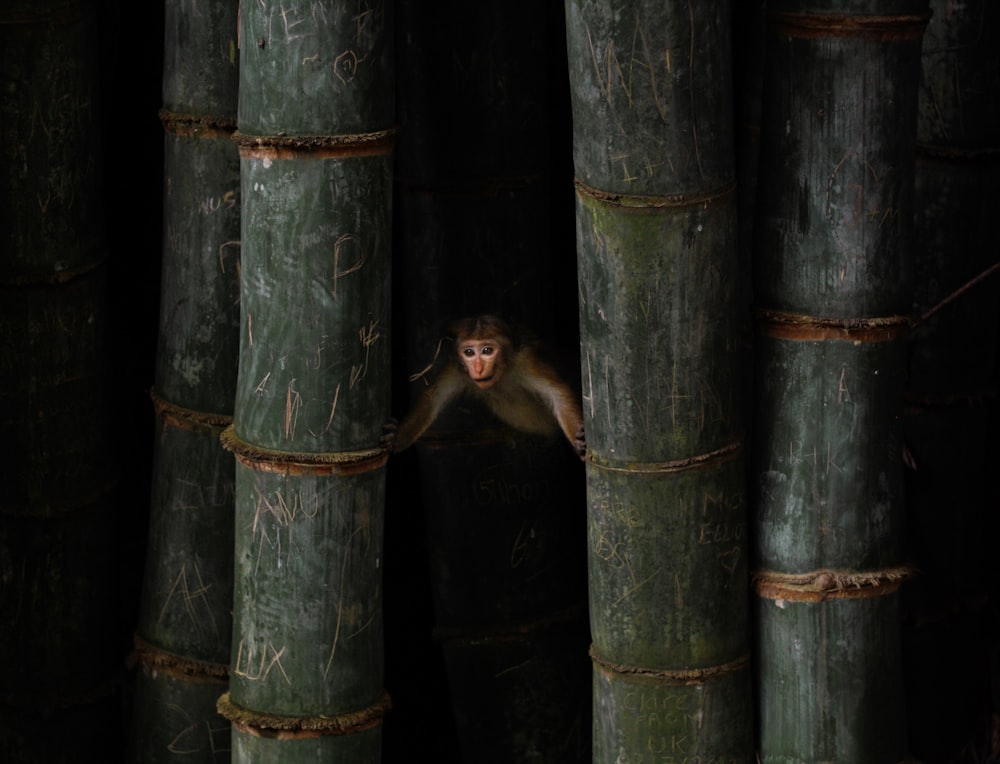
column 482, row 361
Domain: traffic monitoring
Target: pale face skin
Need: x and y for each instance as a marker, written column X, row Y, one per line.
column 479, row 357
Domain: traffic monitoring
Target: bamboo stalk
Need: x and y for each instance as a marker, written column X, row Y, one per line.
column 658, row 272
column 951, row 387
column 316, row 141
column 185, row 621
column 832, row 284
column 57, row 510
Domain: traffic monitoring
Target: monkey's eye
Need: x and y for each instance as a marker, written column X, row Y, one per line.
column 468, row 351
column 487, row 350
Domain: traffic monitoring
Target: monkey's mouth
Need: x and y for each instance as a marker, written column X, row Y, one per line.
column 484, row 381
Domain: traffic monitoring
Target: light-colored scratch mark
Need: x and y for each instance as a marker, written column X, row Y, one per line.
column 634, row 588
column 607, row 391
column 250, row 329
column 590, row 386
column 293, row 403
column 437, row 351
column 180, row 586
column 222, row 247
column 509, row 669
column 368, row 338
column 340, row 600
column 338, row 248
column 647, row 63
column 333, row 408
column 262, row 385
column 692, row 89
column 173, row 746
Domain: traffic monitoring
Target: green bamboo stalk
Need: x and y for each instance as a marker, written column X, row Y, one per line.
column 658, row 272
column 315, row 119
column 951, row 385
column 185, row 621
column 481, row 231
column 57, row 511
column 833, row 278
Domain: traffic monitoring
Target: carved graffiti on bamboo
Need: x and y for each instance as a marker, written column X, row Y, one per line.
column 196, row 734
column 638, row 75
column 857, row 198
column 224, row 249
column 354, row 616
column 643, row 403
column 367, row 336
column 212, row 204
column 272, row 523
column 723, row 527
column 255, row 662
column 611, row 547
column 667, row 726
column 189, row 593
column 306, row 26
column 349, row 257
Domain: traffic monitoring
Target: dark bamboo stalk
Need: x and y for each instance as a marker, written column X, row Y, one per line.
column 950, row 421
column 833, row 268
column 315, row 136
column 57, row 521
column 185, row 621
column 484, row 226
column 658, row 272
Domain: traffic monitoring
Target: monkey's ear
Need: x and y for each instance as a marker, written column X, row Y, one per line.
column 459, row 327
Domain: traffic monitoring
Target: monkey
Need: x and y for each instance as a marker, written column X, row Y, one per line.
column 508, row 374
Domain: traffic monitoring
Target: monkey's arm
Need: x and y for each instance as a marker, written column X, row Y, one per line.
column 430, row 403
column 564, row 404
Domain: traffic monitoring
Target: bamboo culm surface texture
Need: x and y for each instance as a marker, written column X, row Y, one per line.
column 315, row 123
column 832, row 261
column 185, row 618
column 656, row 235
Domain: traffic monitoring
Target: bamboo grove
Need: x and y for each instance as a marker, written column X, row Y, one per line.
column 754, row 235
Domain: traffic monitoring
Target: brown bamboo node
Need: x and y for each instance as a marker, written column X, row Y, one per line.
column 675, row 676
column 699, row 461
column 887, row 28
column 507, row 632
column 794, row 326
column 61, row 13
column 178, row 666
column 195, row 126
column 280, row 727
column 931, row 151
column 640, row 201
column 185, row 418
column 829, row 583
column 915, row 402
column 302, row 462
column 55, row 278
column 316, row 146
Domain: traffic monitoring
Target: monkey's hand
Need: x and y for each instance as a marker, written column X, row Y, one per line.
column 580, row 444
column 388, row 438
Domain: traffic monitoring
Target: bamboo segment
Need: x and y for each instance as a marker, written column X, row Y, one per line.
column 315, row 119
column 658, row 272
column 950, row 421
column 833, row 272
column 57, row 510
column 185, row 622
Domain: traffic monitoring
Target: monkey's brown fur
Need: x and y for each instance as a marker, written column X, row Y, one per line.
column 508, row 375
